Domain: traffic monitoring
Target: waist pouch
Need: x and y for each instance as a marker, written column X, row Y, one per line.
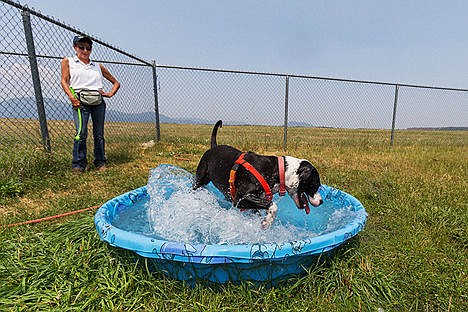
column 90, row 97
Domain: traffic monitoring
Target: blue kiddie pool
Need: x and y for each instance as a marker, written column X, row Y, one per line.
column 197, row 236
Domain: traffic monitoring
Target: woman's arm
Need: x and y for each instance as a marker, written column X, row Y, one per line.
column 115, row 83
column 65, row 82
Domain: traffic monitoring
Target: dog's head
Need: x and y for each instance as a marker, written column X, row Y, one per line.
column 302, row 183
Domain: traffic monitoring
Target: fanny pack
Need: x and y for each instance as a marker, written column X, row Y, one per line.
column 90, row 97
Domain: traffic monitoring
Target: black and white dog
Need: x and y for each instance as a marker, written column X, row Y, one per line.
column 228, row 169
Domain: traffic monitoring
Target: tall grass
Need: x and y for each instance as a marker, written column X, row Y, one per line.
column 411, row 256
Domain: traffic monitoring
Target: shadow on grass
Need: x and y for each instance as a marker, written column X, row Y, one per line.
column 118, row 157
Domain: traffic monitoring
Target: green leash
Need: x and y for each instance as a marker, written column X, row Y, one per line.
column 80, row 121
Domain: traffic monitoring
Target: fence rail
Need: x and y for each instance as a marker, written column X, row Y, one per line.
column 35, row 111
column 310, row 77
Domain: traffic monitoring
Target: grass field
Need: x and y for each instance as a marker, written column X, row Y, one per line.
column 412, row 255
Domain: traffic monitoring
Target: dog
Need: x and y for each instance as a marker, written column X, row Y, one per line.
column 231, row 172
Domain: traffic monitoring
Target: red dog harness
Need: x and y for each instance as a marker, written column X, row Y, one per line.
column 282, row 189
column 241, row 161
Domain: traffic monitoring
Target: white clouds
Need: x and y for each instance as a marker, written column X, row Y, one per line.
column 16, row 79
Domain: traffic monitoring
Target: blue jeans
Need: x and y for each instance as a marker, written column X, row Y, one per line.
column 97, row 114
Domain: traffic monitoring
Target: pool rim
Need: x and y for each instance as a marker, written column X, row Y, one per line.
column 151, row 247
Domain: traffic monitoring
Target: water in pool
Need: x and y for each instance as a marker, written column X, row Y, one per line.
column 174, row 212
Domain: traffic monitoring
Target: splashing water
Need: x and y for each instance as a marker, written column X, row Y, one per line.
column 175, row 212
column 197, row 217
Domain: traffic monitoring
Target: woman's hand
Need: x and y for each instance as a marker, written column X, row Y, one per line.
column 75, row 103
column 106, row 94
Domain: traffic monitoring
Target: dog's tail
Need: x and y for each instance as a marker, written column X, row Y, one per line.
column 219, row 124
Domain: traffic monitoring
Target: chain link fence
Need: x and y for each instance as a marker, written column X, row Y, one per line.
column 34, row 111
column 196, row 95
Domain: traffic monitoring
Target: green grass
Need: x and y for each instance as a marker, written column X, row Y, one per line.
column 412, row 256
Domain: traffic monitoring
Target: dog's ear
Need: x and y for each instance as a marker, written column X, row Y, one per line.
column 308, row 174
column 305, row 170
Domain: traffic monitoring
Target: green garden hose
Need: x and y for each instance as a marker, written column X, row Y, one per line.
column 80, row 120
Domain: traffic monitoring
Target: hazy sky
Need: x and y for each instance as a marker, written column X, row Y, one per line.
column 413, row 42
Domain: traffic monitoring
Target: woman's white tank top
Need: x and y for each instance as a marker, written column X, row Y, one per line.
column 84, row 76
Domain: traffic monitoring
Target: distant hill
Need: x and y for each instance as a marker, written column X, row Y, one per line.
column 299, row 124
column 441, row 128
column 25, row 107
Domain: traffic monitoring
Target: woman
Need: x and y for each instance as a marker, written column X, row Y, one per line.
column 82, row 82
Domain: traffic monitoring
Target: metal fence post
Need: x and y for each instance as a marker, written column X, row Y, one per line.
column 36, row 80
column 286, row 108
column 156, row 103
column 395, row 102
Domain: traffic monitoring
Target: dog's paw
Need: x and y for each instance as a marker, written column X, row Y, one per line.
column 270, row 217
